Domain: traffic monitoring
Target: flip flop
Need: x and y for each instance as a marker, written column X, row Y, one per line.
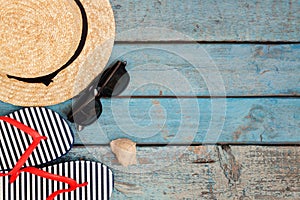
column 31, row 137
column 94, row 181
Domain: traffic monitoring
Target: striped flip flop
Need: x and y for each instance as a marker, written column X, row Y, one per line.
column 31, row 137
column 95, row 182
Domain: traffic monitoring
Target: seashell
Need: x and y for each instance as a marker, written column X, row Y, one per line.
column 125, row 151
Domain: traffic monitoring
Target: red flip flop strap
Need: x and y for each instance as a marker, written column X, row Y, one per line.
column 36, row 140
column 71, row 182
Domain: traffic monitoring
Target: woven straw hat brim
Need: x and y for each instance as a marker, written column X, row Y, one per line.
column 77, row 76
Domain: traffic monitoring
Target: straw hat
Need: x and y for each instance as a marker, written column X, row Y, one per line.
column 51, row 50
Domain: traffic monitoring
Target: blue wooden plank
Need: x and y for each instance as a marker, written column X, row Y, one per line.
column 211, row 69
column 167, row 121
column 192, row 120
column 195, row 20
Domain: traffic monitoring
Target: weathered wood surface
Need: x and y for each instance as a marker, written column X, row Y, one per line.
column 230, row 20
column 211, row 69
column 192, row 120
column 203, row 172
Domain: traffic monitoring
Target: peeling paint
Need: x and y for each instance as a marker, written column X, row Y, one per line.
column 228, row 163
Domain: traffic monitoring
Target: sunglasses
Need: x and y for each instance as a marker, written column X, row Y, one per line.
column 87, row 106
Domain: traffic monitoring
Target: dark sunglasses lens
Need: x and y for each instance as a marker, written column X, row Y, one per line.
column 117, row 83
column 88, row 114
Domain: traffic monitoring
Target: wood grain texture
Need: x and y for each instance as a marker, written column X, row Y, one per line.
column 203, row 172
column 192, row 120
column 211, row 69
column 158, row 39
column 195, row 20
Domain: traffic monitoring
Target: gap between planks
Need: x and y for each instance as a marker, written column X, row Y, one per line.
column 293, row 96
column 143, row 145
column 206, row 42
